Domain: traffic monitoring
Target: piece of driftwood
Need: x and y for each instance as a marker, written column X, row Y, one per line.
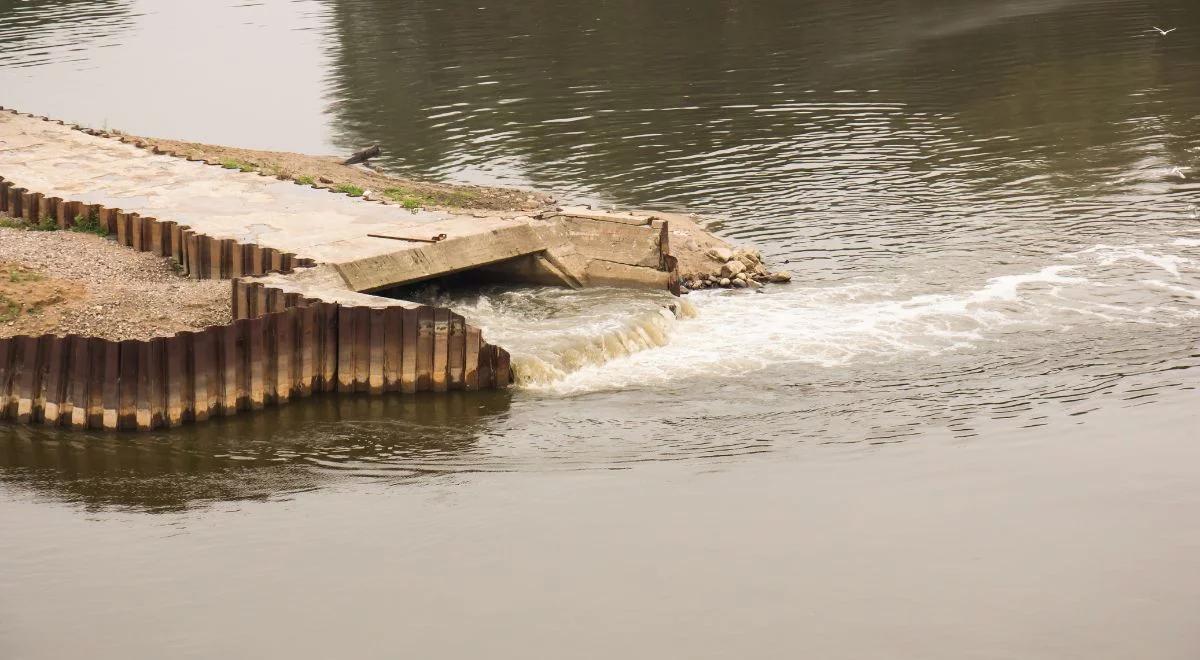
column 362, row 156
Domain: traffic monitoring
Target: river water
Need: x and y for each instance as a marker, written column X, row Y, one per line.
column 968, row 429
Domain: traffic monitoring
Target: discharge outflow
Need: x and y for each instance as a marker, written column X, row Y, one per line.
column 573, row 342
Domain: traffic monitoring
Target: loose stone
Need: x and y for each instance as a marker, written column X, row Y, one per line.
column 720, row 254
column 732, row 268
column 748, row 254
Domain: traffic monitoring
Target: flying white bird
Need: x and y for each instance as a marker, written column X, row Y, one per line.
column 1162, row 31
column 1178, row 171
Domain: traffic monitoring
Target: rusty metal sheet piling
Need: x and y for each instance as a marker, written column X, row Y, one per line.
column 280, row 345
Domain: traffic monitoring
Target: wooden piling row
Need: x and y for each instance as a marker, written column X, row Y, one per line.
column 268, row 359
column 198, row 255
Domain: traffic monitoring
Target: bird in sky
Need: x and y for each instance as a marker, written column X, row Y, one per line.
column 1162, row 31
column 1178, row 171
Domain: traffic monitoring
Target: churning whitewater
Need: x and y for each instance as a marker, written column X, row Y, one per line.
column 571, row 342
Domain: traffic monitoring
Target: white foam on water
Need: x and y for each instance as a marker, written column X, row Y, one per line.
column 644, row 331
column 1110, row 255
column 738, row 332
column 552, row 332
column 569, row 342
column 1195, row 293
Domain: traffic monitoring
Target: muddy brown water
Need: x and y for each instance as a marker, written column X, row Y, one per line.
column 968, row 429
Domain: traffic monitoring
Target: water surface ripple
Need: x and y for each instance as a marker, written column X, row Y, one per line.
column 980, row 202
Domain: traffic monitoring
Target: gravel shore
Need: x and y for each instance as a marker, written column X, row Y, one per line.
column 60, row 282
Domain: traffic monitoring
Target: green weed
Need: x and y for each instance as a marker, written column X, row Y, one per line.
column 45, row 224
column 9, row 309
column 88, row 225
column 234, row 164
column 407, row 198
column 305, row 180
column 18, row 276
column 350, row 189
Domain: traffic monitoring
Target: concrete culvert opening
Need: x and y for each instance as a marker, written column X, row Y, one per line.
column 531, row 270
column 554, row 332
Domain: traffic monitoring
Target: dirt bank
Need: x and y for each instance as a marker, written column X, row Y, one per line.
column 59, row 282
column 328, row 172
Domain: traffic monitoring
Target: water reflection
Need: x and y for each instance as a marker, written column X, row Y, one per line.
column 772, row 110
column 38, row 32
column 228, row 72
column 976, row 199
column 703, row 417
column 266, row 454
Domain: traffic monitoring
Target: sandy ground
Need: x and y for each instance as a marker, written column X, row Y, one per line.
column 63, row 283
column 329, row 172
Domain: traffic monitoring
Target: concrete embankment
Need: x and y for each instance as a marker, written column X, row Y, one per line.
column 305, row 265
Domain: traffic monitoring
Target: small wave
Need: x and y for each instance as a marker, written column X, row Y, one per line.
column 738, row 333
column 575, row 352
column 568, row 342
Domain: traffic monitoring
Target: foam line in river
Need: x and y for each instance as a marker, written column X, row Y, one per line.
column 570, row 342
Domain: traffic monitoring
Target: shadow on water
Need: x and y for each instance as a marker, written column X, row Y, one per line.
column 265, row 454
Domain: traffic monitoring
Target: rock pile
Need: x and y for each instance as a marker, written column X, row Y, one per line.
column 740, row 268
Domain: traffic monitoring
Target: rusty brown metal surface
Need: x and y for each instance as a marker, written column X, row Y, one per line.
column 83, row 382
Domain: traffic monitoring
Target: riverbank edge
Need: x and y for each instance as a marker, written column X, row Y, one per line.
column 705, row 261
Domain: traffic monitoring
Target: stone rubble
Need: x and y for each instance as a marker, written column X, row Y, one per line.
column 739, row 268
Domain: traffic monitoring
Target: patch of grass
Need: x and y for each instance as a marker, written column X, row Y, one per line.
column 407, row 198
column 305, row 180
column 45, row 224
column 88, row 225
column 9, row 309
column 241, row 165
column 18, row 276
column 350, row 189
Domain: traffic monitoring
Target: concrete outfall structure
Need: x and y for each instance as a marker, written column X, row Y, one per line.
column 305, row 264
